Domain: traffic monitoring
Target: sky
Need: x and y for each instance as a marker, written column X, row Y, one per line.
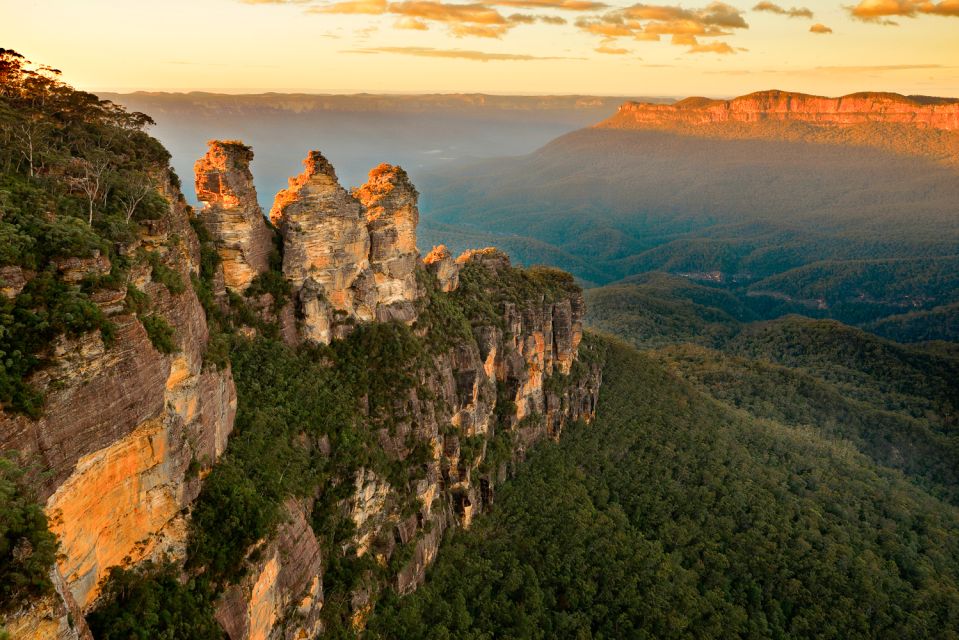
column 703, row 47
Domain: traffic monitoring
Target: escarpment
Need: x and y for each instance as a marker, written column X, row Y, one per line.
column 854, row 109
column 295, row 434
column 906, row 125
column 129, row 424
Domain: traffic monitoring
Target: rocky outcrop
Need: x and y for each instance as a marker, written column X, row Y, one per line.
column 326, row 249
column 350, row 257
column 232, row 214
column 126, row 431
column 854, row 109
column 440, row 263
column 391, row 218
column 281, row 597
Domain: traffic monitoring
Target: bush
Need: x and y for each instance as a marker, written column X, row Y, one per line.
column 160, row 332
column 149, row 602
column 27, row 548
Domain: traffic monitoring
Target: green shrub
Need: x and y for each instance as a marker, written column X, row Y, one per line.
column 150, row 602
column 161, row 334
column 27, row 548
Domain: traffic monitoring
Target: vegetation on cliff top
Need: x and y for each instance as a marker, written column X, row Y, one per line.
column 77, row 177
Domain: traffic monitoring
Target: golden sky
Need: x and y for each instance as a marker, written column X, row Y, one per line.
column 497, row 46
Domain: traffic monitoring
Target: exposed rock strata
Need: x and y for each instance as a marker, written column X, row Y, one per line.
column 225, row 184
column 441, row 264
column 125, row 429
column 854, row 109
column 391, row 218
column 326, row 249
column 350, row 257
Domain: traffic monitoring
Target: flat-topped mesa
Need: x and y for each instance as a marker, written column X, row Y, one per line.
column 854, row 109
column 444, row 268
column 389, row 199
column 225, row 184
column 326, row 249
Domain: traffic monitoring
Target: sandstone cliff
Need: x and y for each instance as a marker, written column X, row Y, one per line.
column 126, row 430
column 479, row 401
column 225, row 184
column 349, row 257
column 854, row 109
column 133, row 428
column 915, row 125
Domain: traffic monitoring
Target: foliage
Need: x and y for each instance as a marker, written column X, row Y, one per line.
column 149, row 603
column 161, row 334
column 670, row 516
column 46, row 308
column 77, row 174
column 27, row 548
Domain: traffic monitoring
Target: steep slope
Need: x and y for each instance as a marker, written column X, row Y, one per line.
column 755, row 206
column 674, row 517
column 208, row 461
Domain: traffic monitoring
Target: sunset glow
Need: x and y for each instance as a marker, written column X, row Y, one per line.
column 500, row 46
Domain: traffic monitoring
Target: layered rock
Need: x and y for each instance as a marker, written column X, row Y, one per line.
column 326, row 249
column 351, row 257
column 440, row 263
column 854, row 109
column 391, row 218
column 126, row 431
column 224, row 182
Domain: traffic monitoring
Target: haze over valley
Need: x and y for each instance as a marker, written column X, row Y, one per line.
column 447, row 320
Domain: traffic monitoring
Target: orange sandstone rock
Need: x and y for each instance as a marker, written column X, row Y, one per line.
column 232, row 214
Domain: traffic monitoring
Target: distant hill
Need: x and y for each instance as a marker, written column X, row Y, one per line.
column 356, row 132
column 817, row 217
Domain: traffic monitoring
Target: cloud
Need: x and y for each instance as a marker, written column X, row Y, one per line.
column 525, row 18
column 712, row 47
column 646, row 22
column 879, row 11
column 430, row 52
column 606, row 47
column 567, row 5
column 793, row 12
column 819, row 28
column 406, row 22
column 371, row 7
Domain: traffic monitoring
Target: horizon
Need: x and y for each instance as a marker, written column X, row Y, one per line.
column 494, row 47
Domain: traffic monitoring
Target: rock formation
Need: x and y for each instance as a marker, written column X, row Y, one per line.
column 854, row 109
column 326, row 249
column 391, row 218
column 126, row 431
column 350, row 257
column 441, row 264
column 232, row 214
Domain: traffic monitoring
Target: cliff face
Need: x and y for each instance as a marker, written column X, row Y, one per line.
column 391, row 218
column 129, row 432
column 350, row 257
column 225, row 184
column 477, row 405
column 126, row 431
column 854, row 109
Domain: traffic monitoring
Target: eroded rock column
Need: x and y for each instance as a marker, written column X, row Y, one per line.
column 232, row 214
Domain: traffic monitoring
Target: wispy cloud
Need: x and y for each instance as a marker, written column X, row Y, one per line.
column 880, row 11
column 566, row 5
column 721, row 48
column 819, row 28
column 430, row 52
column 607, row 48
column 645, row 22
column 792, row 12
